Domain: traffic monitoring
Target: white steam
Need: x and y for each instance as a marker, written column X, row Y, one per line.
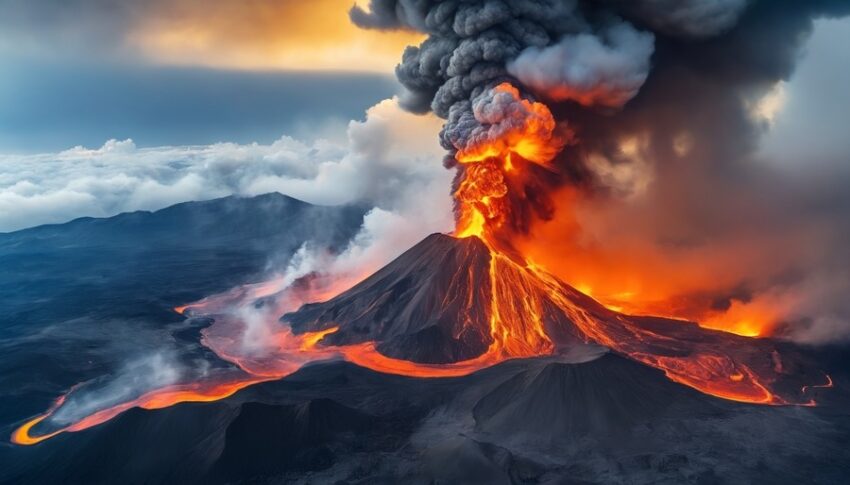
column 137, row 377
column 607, row 69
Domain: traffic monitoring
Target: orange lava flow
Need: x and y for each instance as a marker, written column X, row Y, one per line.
column 707, row 370
column 202, row 391
column 366, row 355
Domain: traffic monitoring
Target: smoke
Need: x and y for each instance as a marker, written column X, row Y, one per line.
column 138, row 376
column 498, row 120
column 659, row 198
column 386, row 163
column 689, row 18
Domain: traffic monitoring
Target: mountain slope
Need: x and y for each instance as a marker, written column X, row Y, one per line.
column 421, row 306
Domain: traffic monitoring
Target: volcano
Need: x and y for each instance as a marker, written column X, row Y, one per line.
column 436, row 304
column 458, row 304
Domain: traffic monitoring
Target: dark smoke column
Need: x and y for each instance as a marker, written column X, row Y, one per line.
column 491, row 68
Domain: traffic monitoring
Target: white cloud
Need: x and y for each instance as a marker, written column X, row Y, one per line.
column 390, row 161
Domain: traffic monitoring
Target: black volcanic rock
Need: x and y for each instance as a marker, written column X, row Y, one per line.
column 261, row 222
column 606, row 396
column 429, row 305
column 82, row 306
column 447, row 299
column 268, row 439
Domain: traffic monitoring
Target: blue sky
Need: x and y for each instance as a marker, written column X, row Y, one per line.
column 50, row 106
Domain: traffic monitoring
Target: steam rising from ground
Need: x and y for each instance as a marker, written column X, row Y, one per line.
column 387, row 164
column 138, row 376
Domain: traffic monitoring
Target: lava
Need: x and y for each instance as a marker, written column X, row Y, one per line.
column 517, row 330
column 201, row 391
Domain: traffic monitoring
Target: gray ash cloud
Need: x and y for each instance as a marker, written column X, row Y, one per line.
column 683, row 79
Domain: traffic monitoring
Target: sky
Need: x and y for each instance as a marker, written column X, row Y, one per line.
column 80, row 72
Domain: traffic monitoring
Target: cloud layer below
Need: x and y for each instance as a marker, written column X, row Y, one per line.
column 387, row 161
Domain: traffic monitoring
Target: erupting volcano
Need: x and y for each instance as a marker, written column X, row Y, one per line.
column 455, row 304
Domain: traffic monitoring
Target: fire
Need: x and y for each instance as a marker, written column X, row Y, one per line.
column 472, row 224
column 481, row 197
column 629, row 274
column 516, row 323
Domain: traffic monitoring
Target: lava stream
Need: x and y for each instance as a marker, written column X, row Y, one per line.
column 200, row 391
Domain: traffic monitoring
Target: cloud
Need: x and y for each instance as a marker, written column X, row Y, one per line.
column 692, row 18
column 606, row 70
column 265, row 34
column 388, row 161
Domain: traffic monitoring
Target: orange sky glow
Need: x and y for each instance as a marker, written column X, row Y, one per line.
column 266, row 35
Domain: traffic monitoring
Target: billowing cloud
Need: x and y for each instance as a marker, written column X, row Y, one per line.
column 663, row 205
column 387, row 162
column 718, row 194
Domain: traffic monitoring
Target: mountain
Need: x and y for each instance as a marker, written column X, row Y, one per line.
column 428, row 305
column 266, row 221
column 178, row 254
column 435, row 303
column 81, row 299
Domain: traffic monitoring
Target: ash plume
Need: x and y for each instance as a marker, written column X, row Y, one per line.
column 654, row 158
